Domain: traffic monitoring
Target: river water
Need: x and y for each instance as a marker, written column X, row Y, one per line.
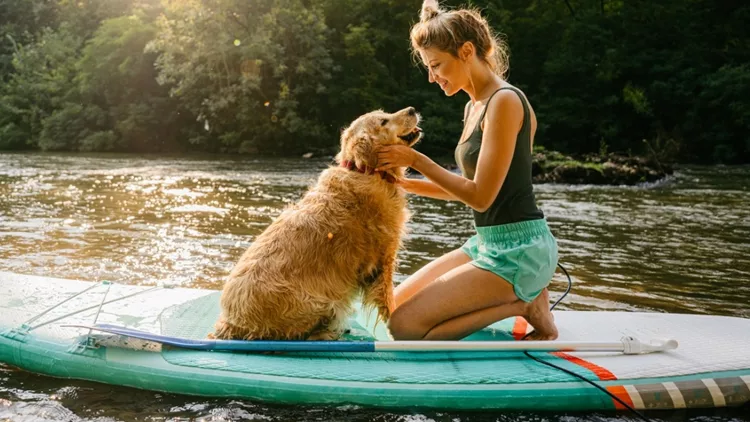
column 680, row 245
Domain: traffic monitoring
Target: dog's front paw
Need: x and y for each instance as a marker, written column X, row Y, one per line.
column 325, row 335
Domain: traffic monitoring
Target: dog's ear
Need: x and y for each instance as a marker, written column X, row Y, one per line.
column 363, row 151
column 359, row 148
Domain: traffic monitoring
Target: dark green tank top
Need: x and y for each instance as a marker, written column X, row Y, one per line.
column 515, row 202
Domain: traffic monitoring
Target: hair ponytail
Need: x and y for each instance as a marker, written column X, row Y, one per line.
column 453, row 29
column 430, row 10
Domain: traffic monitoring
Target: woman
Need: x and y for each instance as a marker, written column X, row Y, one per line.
column 505, row 268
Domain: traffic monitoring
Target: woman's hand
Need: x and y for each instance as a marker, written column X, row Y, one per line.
column 393, row 156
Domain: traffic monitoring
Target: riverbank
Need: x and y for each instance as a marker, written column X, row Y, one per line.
column 547, row 166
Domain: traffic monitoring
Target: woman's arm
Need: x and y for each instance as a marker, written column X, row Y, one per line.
column 503, row 120
column 426, row 188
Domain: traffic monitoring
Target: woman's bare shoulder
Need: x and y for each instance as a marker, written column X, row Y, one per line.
column 503, row 104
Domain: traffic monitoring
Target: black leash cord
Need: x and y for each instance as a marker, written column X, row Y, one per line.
column 629, row 407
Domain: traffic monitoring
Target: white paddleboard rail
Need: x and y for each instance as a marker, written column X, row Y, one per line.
column 628, row 345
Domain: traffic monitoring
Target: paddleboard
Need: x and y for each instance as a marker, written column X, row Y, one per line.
column 38, row 333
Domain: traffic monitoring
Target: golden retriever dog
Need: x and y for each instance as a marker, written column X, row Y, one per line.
column 300, row 277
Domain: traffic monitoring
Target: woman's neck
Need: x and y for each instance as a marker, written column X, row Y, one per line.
column 482, row 82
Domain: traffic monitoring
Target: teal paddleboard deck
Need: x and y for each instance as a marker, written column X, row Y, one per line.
column 710, row 368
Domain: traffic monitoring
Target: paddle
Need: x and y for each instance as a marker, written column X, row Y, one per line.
column 627, row 345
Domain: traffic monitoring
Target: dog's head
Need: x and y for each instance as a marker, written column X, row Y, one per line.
column 360, row 141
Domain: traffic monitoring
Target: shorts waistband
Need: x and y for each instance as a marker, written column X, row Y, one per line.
column 514, row 231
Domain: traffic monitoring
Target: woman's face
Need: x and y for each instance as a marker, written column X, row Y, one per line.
column 444, row 69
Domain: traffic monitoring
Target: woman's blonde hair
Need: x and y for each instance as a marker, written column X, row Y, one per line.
column 449, row 30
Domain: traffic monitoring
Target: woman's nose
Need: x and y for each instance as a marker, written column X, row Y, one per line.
column 431, row 77
column 412, row 111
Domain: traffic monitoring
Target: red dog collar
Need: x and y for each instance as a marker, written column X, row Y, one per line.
column 368, row 170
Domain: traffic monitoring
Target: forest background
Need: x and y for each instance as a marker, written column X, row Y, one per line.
column 667, row 78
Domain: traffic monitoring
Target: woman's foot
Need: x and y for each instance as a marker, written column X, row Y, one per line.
column 540, row 317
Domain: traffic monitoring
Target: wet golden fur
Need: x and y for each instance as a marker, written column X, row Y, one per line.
column 300, row 277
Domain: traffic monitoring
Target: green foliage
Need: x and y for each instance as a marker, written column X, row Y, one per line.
column 69, row 126
column 19, row 19
column 668, row 79
column 252, row 72
column 723, row 116
column 42, row 83
column 101, row 94
column 375, row 70
column 116, row 75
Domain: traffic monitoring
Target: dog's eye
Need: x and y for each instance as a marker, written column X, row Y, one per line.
column 383, row 122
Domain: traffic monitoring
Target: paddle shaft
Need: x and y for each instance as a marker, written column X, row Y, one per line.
column 628, row 345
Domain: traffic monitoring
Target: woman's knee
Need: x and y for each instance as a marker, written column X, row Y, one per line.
column 403, row 327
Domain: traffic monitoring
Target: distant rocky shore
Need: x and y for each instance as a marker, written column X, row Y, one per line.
column 595, row 169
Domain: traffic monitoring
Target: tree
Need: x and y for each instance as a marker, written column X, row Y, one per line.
column 42, row 81
column 20, row 20
column 251, row 71
column 376, row 70
column 117, row 76
column 283, row 76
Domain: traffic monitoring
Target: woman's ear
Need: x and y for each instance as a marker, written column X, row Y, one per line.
column 466, row 51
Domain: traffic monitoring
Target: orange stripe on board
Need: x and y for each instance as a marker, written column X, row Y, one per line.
column 519, row 328
column 621, row 393
column 602, row 373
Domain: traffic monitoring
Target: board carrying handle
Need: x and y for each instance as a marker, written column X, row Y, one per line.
column 633, row 346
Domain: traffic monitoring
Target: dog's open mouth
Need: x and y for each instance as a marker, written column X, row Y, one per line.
column 412, row 136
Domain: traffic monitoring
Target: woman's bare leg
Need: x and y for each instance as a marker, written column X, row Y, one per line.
column 428, row 274
column 466, row 324
column 536, row 313
column 462, row 301
column 490, row 299
column 462, row 290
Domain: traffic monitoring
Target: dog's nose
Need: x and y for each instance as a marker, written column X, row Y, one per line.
column 412, row 111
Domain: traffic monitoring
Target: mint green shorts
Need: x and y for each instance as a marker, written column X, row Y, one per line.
column 524, row 254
